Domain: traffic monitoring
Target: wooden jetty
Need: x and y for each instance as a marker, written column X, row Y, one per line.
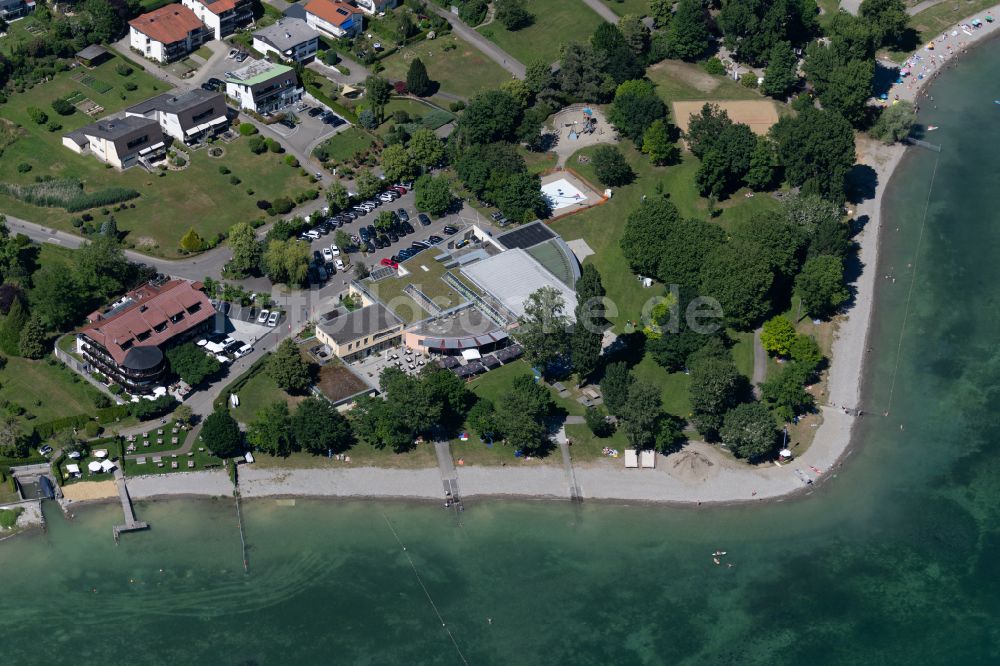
column 131, row 524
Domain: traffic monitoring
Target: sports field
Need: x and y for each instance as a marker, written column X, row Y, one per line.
column 758, row 114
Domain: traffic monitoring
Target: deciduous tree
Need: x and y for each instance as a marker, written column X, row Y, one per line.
column 821, row 287
column 270, row 431
column 749, row 431
column 739, row 276
column 780, row 77
column 611, row 167
column 816, row 147
column 636, row 106
column 434, row 194
column 247, row 250
column 319, row 428
column 777, row 335
column 615, row 387
column 221, row 434
column 288, row 369
column 640, row 414
column 191, row 363
column 687, row 34
column 657, row 144
column 716, row 386
column 544, row 328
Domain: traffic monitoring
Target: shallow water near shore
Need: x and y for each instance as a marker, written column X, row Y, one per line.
column 897, row 560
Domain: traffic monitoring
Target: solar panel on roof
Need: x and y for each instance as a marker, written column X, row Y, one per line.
column 527, row 236
column 381, row 273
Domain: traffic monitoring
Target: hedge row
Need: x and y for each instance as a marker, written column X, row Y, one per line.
column 104, row 415
column 66, row 193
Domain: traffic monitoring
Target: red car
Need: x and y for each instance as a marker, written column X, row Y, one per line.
column 399, row 188
column 390, row 263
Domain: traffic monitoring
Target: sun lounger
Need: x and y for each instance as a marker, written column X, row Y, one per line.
column 190, row 463
column 141, row 460
column 173, row 465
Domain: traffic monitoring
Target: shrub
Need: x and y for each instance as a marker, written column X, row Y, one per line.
column 714, row 66
column 62, row 107
column 234, row 180
column 92, row 429
column 457, row 105
column 330, row 57
column 37, row 115
column 145, row 410
column 291, row 161
column 598, row 422
column 224, row 170
column 257, row 144
column 23, row 167
column 749, row 80
column 282, row 205
column 123, row 69
column 53, row 126
column 274, row 146
column 247, row 129
column 130, row 86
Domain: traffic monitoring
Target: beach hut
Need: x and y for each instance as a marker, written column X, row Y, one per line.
column 94, row 467
column 631, row 459
column 73, row 470
column 648, row 459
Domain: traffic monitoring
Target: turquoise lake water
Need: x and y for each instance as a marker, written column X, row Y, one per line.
column 895, row 561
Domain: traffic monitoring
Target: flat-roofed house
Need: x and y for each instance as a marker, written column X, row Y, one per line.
column 290, row 38
column 336, row 19
column 126, row 341
column 223, row 17
column 120, row 142
column 191, row 117
column 362, row 332
column 264, row 87
column 168, row 33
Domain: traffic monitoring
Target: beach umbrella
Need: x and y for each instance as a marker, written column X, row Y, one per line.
column 94, row 466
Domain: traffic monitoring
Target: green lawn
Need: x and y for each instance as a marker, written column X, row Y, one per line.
column 933, row 21
column 556, row 23
column 462, row 70
column 46, row 391
column 742, row 351
column 362, row 455
column 585, row 446
column 494, row 384
column 21, row 31
column 674, row 386
column 678, row 81
column 623, row 7
column 344, row 145
column 257, row 393
column 204, row 52
column 390, row 290
column 155, row 223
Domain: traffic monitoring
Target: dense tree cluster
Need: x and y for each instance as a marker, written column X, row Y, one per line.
column 315, row 426
column 752, row 28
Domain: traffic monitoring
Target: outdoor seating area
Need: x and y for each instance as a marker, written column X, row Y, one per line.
column 169, row 437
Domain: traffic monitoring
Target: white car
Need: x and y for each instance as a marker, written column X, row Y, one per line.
column 334, row 250
column 262, row 317
column 313, row 234
column 386, row 197
column 273, row 319
column 222, row 358
column 327, row 254
column 242, row 351
column 202, row 342
column 339, row 264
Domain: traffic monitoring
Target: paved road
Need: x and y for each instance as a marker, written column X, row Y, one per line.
column 921, row 6
column 602, row 10
column 489, row 49
column 759, row 363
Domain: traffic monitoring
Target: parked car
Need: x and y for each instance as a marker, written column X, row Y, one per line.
column 403, row 215
column 315, row 111
column 400, row 189
column 385, row 240
column 313, row 234
column 327, row 255
column 371, row 231
column 450, row 230
column 419, row 245
column 45, row 450
column 317, row 255
column 334, row 250
column 339, row 264
column 336, row 121
column 262, row 317
column 242, row 351
column 391, row 263
column 322, row 273
column 386, row 197
column 408, row 228
column 363, row 233
column 233, row 346
column 393, row 237
column 434, row 240
column 424, row 220
column 272, row 320
column 369, row 247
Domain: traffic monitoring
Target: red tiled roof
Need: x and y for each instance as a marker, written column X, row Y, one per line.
column 168, row 24
column 219, row 6
column 331, row 12
column 151, row 306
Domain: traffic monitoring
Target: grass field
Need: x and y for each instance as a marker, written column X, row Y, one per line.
column 460, row 71
column 682, row 81
column 623, row 7
column 154, row 223
column 46, row 391
column 343, row 145
column 21, row 31
column 556, row 23
column 362, row 455
column 932, row 22
column 390, row 290
column 259, row 392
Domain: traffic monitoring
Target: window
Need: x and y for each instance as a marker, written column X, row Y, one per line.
column 194, row 308
column 159, row 328
column 176, row 318
column 143, row 336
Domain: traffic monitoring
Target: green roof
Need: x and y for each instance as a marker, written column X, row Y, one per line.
column 257, row 74
column 550, row 255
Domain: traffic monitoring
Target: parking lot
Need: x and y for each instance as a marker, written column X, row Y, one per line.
column 458, row 220
column 309, row 130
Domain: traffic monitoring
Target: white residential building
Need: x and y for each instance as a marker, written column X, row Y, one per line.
column 335, row 19
column 168, row 33
column 223, row 17
column 376, row 6
column 190, row 117
column 290, row 38
column 120, row 142
column 264, row 87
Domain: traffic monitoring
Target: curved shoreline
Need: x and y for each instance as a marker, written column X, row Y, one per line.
column 699, row 474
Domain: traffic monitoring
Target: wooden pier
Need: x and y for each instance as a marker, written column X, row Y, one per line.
column 131, row 524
